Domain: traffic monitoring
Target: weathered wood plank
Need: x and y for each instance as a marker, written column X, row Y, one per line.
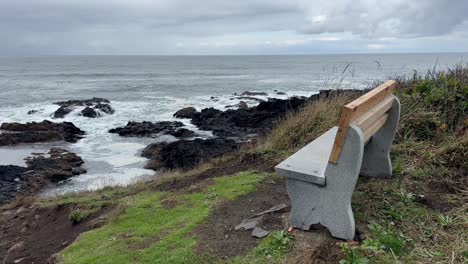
column 368, row 118
column 379, row 123
column 346, row 115
column 354, row 110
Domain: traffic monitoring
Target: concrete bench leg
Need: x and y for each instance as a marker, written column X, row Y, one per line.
column 376, row 161
column 330, row 205
column 312, row 204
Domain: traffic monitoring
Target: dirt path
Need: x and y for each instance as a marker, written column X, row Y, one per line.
column 217, row 235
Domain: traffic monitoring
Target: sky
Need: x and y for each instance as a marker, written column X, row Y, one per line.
column 234, row 27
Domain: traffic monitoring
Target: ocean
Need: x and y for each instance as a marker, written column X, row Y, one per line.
column 152, row 88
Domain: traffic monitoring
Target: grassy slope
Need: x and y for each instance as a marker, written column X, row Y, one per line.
column 420, row 215
column 158, row 225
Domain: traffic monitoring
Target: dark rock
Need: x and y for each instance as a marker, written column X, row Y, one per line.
column 34, row 132
column 89, row 112
column 243, row 123
column 91, row 104
column 86, row 102
column 241, row 105
column 11, row 172
column 251, row 98
column 214, row 98
column 280, row 93
column 9, row 139
column 186, row 112
column 31, row 112
column 147, row 129
column 58, row 165
column 181, row 133
column 247, row 93
column 186, row 153
column 62, row 111
column 106, row 108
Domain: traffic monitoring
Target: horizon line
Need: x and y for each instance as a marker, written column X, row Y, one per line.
column 226, row 55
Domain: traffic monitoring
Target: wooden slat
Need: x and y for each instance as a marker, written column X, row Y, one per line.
column 346, row 115
column 370, row 131
column 368, row 118
column 355, row 109
column 370, row 99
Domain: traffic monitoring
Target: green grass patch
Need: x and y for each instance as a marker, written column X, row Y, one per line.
column 272, row 249
column 149, row 232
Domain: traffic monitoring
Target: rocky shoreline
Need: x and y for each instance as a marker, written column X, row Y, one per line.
column 230, row 129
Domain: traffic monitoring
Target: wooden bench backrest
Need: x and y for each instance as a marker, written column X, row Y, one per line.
column 368, row 112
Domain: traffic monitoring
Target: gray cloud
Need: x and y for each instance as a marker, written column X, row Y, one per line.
column 155, row 26
column 395, row 18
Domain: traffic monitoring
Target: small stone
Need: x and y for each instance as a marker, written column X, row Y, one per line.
column 18, row 260
column 249, row 223
column 259, row 233
column 19, row 210
column 16, row 246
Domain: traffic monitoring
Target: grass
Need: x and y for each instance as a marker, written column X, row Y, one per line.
column 272, row 249
column 418, row 216
column 430, row 158
column 303, row 126
column 148, row 231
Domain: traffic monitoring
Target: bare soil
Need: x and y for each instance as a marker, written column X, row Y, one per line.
column 441, row 194
column 32, row 234
column 217, row 237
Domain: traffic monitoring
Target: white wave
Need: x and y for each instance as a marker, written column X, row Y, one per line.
column 272, row 81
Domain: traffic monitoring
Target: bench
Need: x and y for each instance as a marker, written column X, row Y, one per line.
column 321, row 176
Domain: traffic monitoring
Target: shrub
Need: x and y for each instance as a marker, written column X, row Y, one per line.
column 444, row 93
column 77, row 216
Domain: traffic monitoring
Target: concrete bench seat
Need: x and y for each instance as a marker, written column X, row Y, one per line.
column 310, row 162
column 322, row 175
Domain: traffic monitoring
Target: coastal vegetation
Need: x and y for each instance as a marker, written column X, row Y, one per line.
column 188, row 216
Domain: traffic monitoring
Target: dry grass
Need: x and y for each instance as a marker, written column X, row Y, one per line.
column 299, row 128
column 25, row 201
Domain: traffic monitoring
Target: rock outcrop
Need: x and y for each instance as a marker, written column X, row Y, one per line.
column 186, row 153
column 89, row 112
column 34, row 132
column 92, row 109
column 148, row 129
column 232, row 127
column 186, row 112
column 56, row 166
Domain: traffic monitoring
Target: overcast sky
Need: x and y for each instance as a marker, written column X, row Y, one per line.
column 168, row 27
